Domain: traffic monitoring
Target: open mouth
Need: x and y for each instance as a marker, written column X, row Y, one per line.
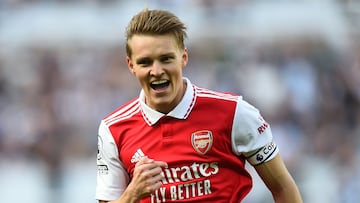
column 159, row 84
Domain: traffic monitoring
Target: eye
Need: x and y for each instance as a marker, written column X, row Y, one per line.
column 144, row 62
column 166, row 59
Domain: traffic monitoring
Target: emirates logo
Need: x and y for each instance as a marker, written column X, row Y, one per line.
column 202, row 141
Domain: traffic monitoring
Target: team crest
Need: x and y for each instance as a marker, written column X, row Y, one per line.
column 202, row 141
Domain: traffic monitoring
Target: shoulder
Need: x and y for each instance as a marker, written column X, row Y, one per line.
column 125, row 111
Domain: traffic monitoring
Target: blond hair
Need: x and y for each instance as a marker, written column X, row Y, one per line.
column 156, row 22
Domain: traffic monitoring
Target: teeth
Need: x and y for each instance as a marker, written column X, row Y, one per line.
column 159, row 82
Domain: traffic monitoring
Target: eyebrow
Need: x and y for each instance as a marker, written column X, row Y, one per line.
column 170, row 54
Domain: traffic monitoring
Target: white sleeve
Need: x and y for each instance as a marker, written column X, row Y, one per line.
column 251, row 135
column 112, row 177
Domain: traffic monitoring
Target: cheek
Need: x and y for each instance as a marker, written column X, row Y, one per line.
column 141, row 76
column 139, row 72
column 177, row 77
column 180, row 70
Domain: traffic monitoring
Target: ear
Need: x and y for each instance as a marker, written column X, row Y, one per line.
column 185, row 58
column 130, row 65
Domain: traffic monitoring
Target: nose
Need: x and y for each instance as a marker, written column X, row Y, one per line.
column 156, row 69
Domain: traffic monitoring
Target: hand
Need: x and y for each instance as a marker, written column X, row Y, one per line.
column 147, row 177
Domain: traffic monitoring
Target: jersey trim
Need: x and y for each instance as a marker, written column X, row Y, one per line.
column 202, row 92
column 123, row 113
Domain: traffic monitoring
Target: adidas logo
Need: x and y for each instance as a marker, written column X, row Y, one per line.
column 137, row 156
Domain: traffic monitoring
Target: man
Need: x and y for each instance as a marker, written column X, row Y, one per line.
column 178, row 142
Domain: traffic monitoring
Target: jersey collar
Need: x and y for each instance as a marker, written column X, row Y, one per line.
column 181, row 111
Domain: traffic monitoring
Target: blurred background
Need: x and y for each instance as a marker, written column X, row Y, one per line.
column 62, row 68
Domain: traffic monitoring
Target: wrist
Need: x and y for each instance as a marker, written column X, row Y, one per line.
column 129, row 196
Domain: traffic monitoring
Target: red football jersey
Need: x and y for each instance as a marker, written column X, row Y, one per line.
column 205, row 141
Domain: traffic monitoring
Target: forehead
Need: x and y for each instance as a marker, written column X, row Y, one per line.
column 149, row 45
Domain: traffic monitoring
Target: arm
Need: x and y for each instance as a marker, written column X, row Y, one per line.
column 278, row 180
column 252, row 137
column 113, row 181
column 147, row 178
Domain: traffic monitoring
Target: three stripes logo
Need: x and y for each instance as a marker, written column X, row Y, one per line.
column 137, row 156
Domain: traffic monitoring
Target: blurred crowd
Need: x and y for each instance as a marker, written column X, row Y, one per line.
column 53, row 95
